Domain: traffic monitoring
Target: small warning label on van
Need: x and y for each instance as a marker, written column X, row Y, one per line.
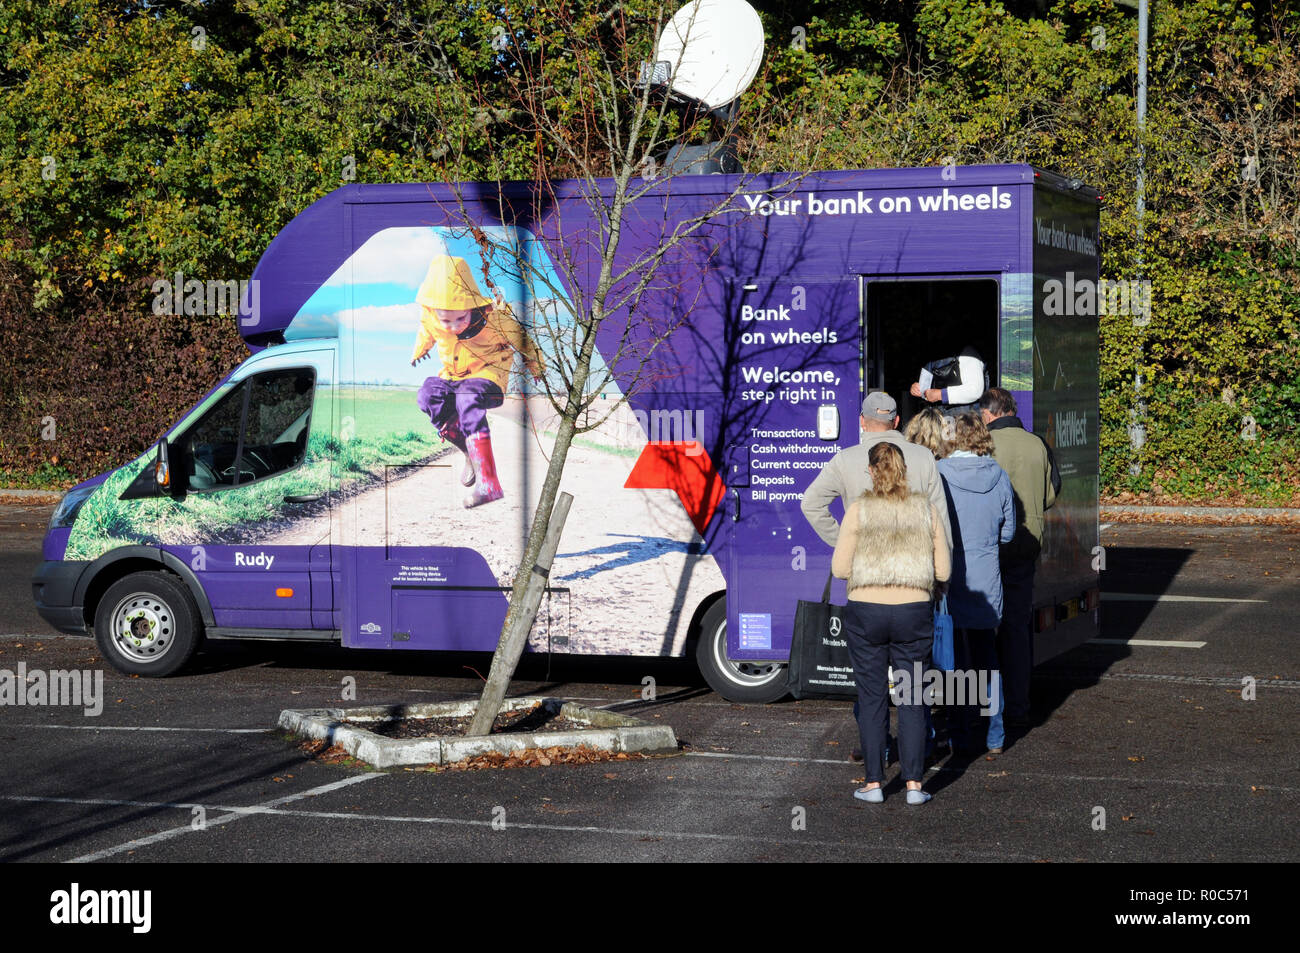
column 755, row 630
column 419, row 574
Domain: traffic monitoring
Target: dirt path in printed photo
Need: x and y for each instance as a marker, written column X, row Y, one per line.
column 631, row 558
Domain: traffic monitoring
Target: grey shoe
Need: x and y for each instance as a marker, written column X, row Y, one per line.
column 873, row 795
column 917, row 797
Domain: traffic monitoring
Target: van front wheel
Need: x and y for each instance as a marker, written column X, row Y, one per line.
column 147, row 624
column 756, row 682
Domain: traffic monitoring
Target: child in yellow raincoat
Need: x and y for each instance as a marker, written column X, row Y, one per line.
column 477, row 339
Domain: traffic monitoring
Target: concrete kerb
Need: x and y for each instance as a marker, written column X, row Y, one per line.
column 608, row 731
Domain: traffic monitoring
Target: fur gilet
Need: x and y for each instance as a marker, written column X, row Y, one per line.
column 895, row 545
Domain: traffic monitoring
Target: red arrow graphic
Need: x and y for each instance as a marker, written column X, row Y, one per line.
column 685, row 468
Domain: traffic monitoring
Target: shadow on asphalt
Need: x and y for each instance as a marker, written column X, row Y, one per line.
column 208, row 777
column 1129, row 569
column 555, row 671
column 1133, row 569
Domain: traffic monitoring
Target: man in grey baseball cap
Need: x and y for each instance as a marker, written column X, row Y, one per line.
column 846, row 476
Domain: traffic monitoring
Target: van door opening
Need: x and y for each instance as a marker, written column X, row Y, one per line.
column 913, row 321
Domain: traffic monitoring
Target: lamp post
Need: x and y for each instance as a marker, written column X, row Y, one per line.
column 1137, row 416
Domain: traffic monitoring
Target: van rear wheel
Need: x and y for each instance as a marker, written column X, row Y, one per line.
column 755, row 682
column 147, row 623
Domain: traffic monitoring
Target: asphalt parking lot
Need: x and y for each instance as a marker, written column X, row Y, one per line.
column 1158, row 736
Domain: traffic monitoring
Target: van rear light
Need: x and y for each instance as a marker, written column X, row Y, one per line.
column 1045, row 619
column 284, row 593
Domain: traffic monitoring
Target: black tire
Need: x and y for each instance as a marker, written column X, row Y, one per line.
column 147, row 623
column 749, row 682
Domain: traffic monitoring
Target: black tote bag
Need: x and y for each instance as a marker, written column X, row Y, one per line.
column 820, row 665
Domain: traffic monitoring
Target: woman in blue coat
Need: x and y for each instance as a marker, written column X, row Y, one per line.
column 982, row 509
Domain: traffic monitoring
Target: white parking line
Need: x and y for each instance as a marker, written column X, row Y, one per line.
column 272, row 808
column 767, row 757
column 1151, row 643
column 227, row 731
column 1165, row 597
column 1012, row 772
column 234, row 814
column 268, row 809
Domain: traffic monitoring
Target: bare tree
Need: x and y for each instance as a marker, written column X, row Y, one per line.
column 1248, row 186
column 600, row 127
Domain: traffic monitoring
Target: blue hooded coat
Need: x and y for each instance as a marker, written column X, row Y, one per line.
column 982, row 509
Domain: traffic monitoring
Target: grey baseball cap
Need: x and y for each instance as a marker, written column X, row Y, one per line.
column 879, row 406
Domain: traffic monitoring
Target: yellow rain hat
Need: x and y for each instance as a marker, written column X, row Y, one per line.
column 450, row 285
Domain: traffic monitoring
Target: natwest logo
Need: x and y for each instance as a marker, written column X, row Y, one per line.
column 1071, row 429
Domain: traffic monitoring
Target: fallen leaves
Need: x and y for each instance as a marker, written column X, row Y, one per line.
column 542, row 757
column 552, row 809
column 325, row 754
column 1201, row 516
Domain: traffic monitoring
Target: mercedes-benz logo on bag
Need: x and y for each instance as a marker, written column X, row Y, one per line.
column 835, row 627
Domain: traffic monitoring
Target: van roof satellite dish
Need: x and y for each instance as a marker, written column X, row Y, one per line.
column 710, row 51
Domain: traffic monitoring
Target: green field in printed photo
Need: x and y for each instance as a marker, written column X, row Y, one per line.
column 386, row 429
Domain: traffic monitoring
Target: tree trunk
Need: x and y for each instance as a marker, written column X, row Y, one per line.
column 511, row 645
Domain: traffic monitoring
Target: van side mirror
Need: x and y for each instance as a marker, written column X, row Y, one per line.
column 162, row 469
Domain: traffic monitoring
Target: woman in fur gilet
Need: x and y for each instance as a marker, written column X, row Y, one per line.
column 892, row 550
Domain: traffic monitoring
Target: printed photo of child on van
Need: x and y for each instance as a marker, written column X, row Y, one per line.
column 477, row 338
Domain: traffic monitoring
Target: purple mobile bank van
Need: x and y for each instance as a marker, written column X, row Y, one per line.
column 310, row 497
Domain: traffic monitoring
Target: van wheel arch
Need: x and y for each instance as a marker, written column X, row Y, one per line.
column 744, row 682
column 119, row 563
column 147, row 623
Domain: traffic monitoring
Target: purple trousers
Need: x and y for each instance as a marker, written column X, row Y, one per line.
column 459, row 406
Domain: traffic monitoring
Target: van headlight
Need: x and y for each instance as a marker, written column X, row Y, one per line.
column 65, row 514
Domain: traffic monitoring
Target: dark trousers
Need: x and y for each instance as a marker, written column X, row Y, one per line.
column 1015, row 634
column 880, row 636
column 459, row 408
column 977, row 658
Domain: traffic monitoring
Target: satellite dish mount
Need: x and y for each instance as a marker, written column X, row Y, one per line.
column 706, row 57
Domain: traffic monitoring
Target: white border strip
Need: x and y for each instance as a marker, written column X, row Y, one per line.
column 1151, row 643
column 234, row 814
column 225, row 731
column 1165, row 597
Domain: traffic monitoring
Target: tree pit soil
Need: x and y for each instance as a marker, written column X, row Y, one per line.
column 536, row 718
column 322, row 753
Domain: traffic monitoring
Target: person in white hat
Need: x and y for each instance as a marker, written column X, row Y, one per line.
column 477, row 338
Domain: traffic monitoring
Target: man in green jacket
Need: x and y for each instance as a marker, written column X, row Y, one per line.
column 1028, row 461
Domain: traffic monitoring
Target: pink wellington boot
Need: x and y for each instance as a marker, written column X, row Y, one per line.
column 489, row 487
column 453, row 436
